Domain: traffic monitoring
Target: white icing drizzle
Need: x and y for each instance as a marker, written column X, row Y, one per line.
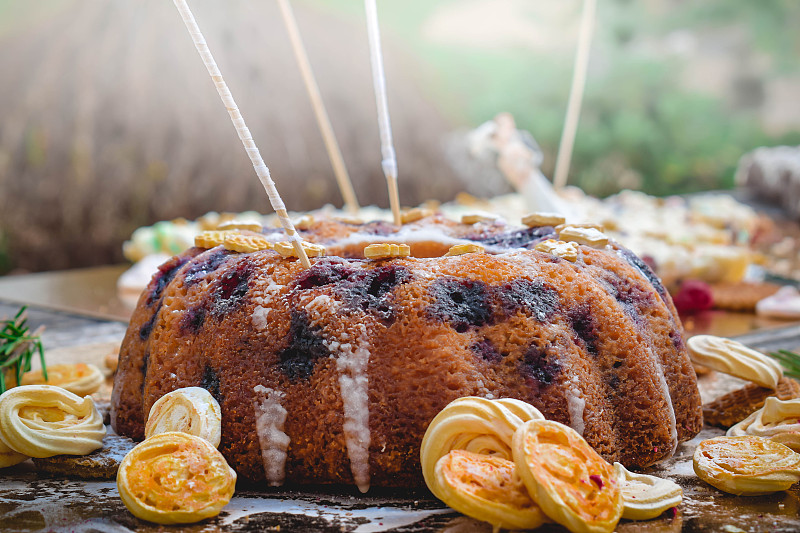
column 353, row 383
column 320, row 308
column 259, row 317
column 576, row 405
column 270, row 419
column 673, row 429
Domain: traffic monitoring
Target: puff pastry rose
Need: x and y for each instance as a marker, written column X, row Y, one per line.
column 191, row 410
column 778, row 420
column 43, row 421
column 734, row 358
column 474, row 424
column 645, row 497
column 9, row 457
column 80, row 378
column 487, row 488
column 175, row 478
column 572, row 484
column 747, row 465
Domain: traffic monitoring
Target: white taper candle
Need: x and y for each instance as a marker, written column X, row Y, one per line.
column 324, row 123
column 241, row 129
column 389, row 162
column 575, row 95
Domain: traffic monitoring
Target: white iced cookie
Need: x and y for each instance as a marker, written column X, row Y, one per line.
column 9, row 457
column 747, row 465
column 43, row 421
column 645, row 497
column 476, row 425
column 734, row 358
column 778, row 420
column 80, row 378
column 190, row 410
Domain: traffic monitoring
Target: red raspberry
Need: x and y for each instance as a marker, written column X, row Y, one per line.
column 693, row 296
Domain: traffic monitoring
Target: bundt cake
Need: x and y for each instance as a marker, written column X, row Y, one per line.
column 332, row 374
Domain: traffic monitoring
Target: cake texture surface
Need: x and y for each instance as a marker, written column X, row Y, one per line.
column 332, row 374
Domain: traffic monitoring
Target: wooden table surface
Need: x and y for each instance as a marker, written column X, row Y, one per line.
column 83, row 319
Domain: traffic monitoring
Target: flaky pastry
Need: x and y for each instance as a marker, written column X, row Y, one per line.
column 190, row 410
column 486, row 488
column 734, row 358
column 175, row 478
column 747, row 465
column 43, row 421
column 9, row 457
column 778, row 420
column 572, row 484
column 645, row 497
column 474, row 424
column 80, row 378
column 562, row 249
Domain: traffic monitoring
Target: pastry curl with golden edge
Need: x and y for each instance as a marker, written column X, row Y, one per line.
column 537, row 220
column 43, row 420
column 9, row 457
column 474, row 424
column 175, row 478
column 189, row 410
column 747, row 466
column 212, row 238
column 286, row 249
column 645, row 497
column 487, row 488
column 461, row 249
column 587, row 236
column 239, row 242
column 572, row 484
column 562, row 249
column 778, row 420
column 734, row 358
column 81, row 379
column 386, row 250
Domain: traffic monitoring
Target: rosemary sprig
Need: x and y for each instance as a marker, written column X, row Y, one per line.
column 17, row 347
column 790, row 361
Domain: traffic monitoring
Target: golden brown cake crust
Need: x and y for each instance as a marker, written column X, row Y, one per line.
column 594, row 344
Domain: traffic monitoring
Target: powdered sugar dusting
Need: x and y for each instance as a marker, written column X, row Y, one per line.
column 320, row 309
column 352, row 363
column 270, row 420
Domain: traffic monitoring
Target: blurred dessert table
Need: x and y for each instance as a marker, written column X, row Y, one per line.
column 87, row 291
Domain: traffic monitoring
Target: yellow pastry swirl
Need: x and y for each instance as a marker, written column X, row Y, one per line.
column 734, row 358
column 572, row 484
column 778, row 420
column 645, row 497
column 487, row 488
column 43, row 421
column 9, row 457
column 474, row 424
column 80, row 378
column 190, row 410
column 175, row 478
column 747, row 465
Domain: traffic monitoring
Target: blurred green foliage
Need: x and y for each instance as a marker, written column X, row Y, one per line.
column 640, row 127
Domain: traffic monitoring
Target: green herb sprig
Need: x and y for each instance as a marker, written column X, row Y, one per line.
column 17, row 347
column 790, row 361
